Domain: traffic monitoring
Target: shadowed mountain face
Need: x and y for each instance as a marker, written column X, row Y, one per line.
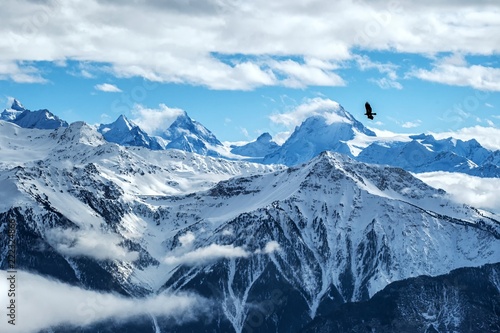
column 465, row 300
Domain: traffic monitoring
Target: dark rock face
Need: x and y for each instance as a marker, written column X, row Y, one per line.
column 465, row 300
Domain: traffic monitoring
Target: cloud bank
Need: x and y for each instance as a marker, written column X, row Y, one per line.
column 224, row 44
column 475, row 191
column 44, row 303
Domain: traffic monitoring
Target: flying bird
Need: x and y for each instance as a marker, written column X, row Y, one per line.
column 369, row 113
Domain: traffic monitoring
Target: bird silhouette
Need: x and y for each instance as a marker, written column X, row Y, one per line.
column 369, row 112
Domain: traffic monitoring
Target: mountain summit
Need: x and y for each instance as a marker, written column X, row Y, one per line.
column 331, row 130
column 264, row 145
column 16, row 105
column 191, row 136
column 124, row 132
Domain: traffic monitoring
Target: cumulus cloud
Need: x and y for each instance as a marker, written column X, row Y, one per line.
column 456, row 72
column 475, row 191
column 107, row 87
column 312, row 72
column 89, row 243
column 311, row 107
column 20, row 73
column 272, row 42
column 154, row 121
column 44, row 303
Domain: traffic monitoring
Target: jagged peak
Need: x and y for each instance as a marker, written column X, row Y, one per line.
column 16, row 105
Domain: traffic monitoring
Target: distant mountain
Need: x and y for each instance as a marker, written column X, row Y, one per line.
column 191, row 136
column 259, row 148
column 41, row 119
column 331, row 131
column 124, row 132
column 424, row 154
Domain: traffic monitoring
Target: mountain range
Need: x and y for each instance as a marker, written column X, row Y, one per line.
column 319, row 242
column 336, row 130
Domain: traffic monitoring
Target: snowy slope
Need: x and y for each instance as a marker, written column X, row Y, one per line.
column 344, row 228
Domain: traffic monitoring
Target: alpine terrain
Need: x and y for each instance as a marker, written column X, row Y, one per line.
column 331, row 233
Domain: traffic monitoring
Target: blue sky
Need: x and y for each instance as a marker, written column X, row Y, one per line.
column 427, row 67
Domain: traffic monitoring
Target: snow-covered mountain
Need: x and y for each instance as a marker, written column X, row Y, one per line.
column 424, row 154
column 42, row 119
column 284, row 245
column 124, row 132
column 264, row 145
column 191, row 136
column 336, row 130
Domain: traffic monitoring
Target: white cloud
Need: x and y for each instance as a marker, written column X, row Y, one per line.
column 244, row 131
column 216, row 252
column 207, row 254
column 456, row 72
column 389, row 81
column 281, row 137
column 20, row 73
column 488, row 137
column 264, row 36
column 44, row 303
column 488, row 105
column 475, row 191
column 107, row 87
column 154, row 121
column 187, row 239
column 270, row 247
column 386, row 83
column 89, row 243
column 411, row 124
column 311, row 107
column 490, row 123
column 311, row 73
